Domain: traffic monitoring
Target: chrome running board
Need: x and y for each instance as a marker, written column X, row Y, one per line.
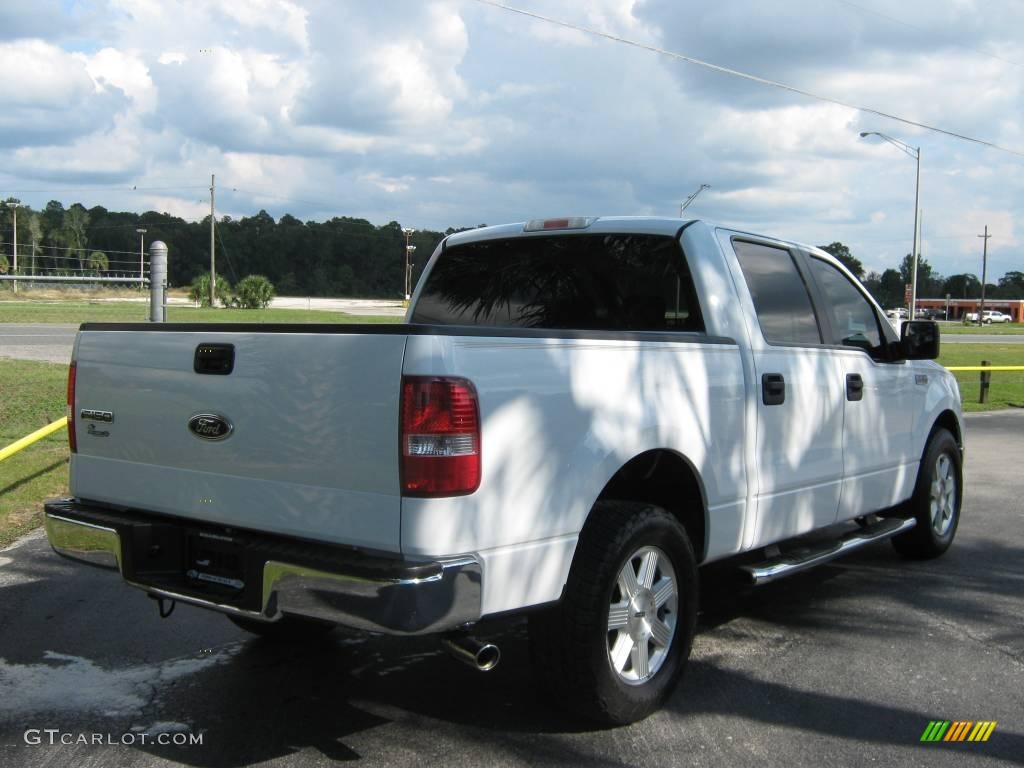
column 789, row 563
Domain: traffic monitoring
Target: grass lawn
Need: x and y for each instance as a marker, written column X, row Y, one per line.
column 75, row 312
column 1004, row 329
column 33, row 395
column 1007, row 388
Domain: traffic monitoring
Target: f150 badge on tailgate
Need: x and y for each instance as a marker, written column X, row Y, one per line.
column 210, row 426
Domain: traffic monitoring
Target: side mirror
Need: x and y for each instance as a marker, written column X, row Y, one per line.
column 919, row 340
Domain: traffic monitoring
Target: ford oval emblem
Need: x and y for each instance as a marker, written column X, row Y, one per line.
column 210, row 426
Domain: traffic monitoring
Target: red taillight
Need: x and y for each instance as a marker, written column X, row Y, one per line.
column 72, row 441
column 440, row 434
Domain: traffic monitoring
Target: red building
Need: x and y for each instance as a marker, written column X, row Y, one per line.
column 960, row 307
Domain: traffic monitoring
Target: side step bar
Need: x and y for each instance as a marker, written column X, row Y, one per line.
column 787, row 564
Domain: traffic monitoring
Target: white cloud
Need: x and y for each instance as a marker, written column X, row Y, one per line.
column 113, row 156
column 450, row 113
column 126, row 71
column 48, row 95
column 288, row 17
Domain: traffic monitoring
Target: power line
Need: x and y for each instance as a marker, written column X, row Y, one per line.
column 90, row 270
column 82, row 249
column 234, row 275
column 50, row 257
column 894, row 20
column 746, row 76
column 158, row 226
column 107, row 187
column 318, row 203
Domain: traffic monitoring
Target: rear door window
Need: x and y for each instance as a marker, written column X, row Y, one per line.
column 619, row 282
column 781, row 299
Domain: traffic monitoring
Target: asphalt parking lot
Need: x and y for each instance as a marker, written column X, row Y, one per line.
column 846, row 665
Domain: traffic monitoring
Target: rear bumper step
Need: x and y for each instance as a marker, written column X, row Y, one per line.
column 789, row 563
column 263, row 577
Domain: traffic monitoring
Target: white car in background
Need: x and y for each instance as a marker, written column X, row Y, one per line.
column 990, row 316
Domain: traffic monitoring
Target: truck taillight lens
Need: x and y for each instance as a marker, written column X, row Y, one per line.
column 72, row 441
column 440, row 436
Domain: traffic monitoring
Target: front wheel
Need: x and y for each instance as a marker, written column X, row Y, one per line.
column 617, row 644
column 936, row 500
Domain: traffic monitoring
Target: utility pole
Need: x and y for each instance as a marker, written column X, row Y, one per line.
column 213, row 218
column 984, row 272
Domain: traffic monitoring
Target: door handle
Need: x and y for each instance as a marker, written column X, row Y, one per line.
column 854, row 387
column 773, row 388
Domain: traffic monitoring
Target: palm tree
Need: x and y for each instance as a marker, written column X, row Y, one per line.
column 35, row 233
column 98, row 261
column 74, row 228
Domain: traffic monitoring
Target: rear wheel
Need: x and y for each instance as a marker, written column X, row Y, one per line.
column 936, row 500
column 617, row 644
column 285, row 629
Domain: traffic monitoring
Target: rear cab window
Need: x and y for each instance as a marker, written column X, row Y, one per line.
column 607, row 282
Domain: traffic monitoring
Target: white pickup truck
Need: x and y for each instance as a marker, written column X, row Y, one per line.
column 576, row 415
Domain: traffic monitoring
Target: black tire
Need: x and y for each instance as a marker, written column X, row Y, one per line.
column 286, row 630
column 935, row 504
column 571, row 643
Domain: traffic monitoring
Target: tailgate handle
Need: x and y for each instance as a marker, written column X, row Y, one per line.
column 214, row 359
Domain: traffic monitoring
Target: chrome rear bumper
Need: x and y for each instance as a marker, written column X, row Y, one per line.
column 354, row 590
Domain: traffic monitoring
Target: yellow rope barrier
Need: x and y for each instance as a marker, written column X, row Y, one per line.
column 36, row 436
column 49, row 429
column 966, row 368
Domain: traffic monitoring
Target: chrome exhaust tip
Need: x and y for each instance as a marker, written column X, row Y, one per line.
column 481, row 656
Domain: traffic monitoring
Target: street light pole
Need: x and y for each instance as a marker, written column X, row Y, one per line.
column 914, row 152
column 213, row 221
column 984, row 274
column 691, row 198
column 142, row 254
column 409, row 249
column 917, row 235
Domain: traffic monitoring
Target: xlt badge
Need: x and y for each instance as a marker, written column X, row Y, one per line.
column 89, row 414
column 210, row 426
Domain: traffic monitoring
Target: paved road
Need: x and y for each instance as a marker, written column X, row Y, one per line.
column 842, row 666
column 52, row 343
column 47, row 342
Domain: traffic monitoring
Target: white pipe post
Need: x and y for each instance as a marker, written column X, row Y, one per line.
column 157, row 281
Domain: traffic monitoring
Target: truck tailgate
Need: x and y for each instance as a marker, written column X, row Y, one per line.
column 313, row 445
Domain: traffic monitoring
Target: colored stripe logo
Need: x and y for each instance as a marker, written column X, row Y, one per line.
column 958, row 730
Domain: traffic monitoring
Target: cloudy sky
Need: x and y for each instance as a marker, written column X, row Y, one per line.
column 440, row 113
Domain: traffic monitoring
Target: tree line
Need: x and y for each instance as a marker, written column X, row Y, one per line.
column 342, row 256
column 887, row 287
